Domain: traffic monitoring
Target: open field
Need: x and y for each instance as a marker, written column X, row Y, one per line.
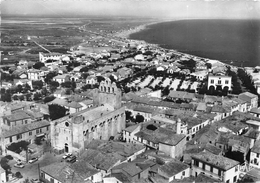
column 18, row 35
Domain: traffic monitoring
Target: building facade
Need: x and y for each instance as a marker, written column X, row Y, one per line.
column 224, row 82
column 105, row 119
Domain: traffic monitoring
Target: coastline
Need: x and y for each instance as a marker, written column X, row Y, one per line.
column 125, row 34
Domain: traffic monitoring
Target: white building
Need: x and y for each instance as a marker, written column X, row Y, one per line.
column 2, row 175
column 219, row 81
column 49, row 56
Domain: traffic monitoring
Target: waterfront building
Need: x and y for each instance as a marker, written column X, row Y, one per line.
column 219, row 81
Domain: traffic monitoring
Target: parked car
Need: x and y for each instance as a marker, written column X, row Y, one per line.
column 33, row 160
column 72, row 159
column 35, row 181
column 19, row 165
column 67, row 155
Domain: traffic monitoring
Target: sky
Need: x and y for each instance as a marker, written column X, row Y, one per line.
column 147, row 8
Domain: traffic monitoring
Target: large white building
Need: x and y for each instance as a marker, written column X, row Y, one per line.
column 215, row 81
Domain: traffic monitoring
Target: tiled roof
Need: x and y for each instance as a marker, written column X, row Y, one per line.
column 76, row 172
column 100, row 160
column 61, row 76
column 216, row 160
column 25, row 128
column 213, row 149
column 74, row 104
column 173, row 167
column 160, row 135
column 255, row 110
column 123, row 149
column 131, row 128
column 18, row 115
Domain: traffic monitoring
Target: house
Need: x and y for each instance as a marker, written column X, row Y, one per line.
column 174, row 170
column 128, row 133
column 92, row 80
column 6, row 85
column 162, row 139
column 215, row 166
column 124, row 72
column 215, row 81
column 26, row 132
column 78, row 172
column 250, row 99
column 61, row 78
column 255, row 112
column 20, row 73
column 255, row 155
column 34, row 74
column 132, row 171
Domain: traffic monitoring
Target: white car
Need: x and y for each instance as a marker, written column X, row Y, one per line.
column 33, row 160
column 19, row 165
column 66, row 155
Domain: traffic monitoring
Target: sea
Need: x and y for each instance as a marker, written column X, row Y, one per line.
column 232, row 41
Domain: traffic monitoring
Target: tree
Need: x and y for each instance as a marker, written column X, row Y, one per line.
column 37, row 96
column 112, row 78
column 38, row 65
column 139, row 118
column 26, row 87
column 18, row 175
column 50, row 76
column 29, row 96
column 37, row 84
column 19, row 88
column 21, row 97
column 128, row 115
column 44, row 91
column 48, row 99
column 56, row 111
column 4, row 164
column 6, row 97
column 38, row 141
column 100, row 78
column 54, row 84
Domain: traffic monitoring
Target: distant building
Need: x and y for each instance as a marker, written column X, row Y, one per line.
column 49, row 56
column 62, row 78
column 215, row 81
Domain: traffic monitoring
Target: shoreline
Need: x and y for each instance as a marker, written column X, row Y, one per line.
column 125, row 34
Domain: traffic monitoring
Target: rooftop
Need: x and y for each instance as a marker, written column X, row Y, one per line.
column 25, row 128
column 216, row 160
column 18, row 115
column 173, row 167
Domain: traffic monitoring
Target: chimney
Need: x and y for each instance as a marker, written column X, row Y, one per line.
column 178, row 127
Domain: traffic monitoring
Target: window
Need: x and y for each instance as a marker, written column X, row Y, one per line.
column 226, row 81
column 47, row 128
column 257, row 155
column 211, row 169
column 236, row 169
column 30, row 133
column 42, row 175
column 37, row 131
column 19, row 136
column 25, row 121
column 219, row 172
column 219, row 82
column 212, row 81
column 196, row 163
column 203, row 166
column 40, row 130
column 235, row 179
column 10, row 138
column 227, row 181
column 52, row 180
column 183, row 173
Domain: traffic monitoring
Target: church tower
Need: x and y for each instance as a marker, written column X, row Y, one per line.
column 108, row 93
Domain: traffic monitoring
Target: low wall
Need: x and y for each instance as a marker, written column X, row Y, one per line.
column 15, row 155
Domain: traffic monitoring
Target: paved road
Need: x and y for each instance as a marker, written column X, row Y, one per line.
column 31, row 170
